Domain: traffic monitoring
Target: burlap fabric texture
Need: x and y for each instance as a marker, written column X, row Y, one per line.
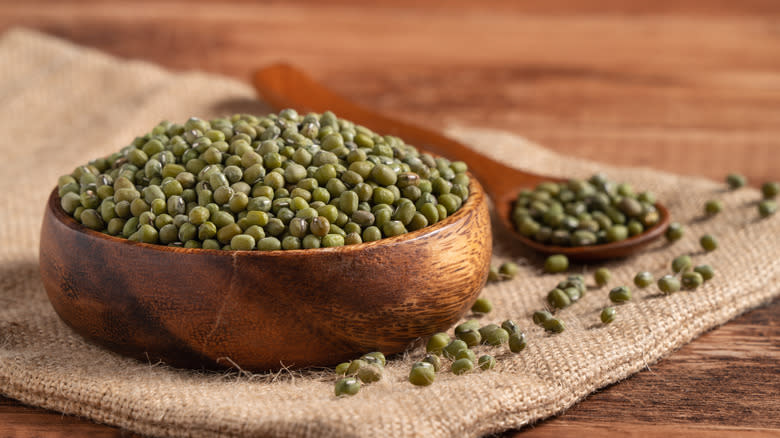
column 62, row 105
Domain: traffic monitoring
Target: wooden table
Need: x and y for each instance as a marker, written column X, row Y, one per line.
column 687, row 86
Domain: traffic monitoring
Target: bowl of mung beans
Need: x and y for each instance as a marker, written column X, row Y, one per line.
column 284, row 240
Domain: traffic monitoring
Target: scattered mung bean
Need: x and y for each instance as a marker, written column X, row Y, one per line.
column 433, row 360
column 674, row 232
column 669, row 284
column 370, row 373
column 482, row 305
column 517, row 342
column 767, row 208
column 510, row 327
column 706, row 271
column 620, row 294
column 691, row 280
column 493, row 274
column 466, row 354
column 643, row 279
column 681, row 263
column 556, row 263
column 376, row 355
column 462, row 366
column 602, row 276
column 452, row 349
column 497, row 336
column 770, row 189
column 422, row 374
column 554, row 325
column 508, row 270
column 540, row 316
column 558, row 299
column 470, row 337
column 471, row 324
column 347, row 386
column 735, row 180
column 708, row 243
column 713, row 207
column 486, row 362
column 437, row 342
column 608, row 315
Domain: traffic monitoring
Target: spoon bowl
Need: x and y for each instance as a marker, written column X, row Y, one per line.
column 264, row 310
column 284, row 86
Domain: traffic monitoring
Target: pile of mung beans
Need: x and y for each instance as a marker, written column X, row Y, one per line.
column 280, row 181
column 580, row 213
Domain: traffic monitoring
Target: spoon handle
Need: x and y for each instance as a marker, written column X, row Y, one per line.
column 284, row 86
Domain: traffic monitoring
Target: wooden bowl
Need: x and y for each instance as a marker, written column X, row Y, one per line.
column 264, row 310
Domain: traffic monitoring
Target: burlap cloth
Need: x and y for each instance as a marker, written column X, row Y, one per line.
column 61, row 105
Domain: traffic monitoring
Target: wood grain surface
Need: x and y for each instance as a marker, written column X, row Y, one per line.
column 687, row 86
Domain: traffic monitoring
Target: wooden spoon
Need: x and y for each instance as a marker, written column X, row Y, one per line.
column 284, row 86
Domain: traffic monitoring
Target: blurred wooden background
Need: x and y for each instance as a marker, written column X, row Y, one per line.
column 687, row 86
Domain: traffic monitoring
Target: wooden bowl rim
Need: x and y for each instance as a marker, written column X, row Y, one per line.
column 475, row 200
